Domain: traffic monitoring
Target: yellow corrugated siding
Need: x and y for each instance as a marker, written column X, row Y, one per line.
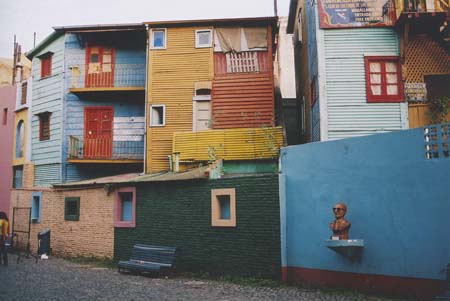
column 230, row 144
column 172, row 73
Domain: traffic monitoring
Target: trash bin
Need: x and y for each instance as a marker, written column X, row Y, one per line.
column 44, row 242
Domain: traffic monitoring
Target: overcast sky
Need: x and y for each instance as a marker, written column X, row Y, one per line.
column 24, row 17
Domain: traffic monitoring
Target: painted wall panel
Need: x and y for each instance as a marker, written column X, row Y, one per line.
column 47, row 96
column 349, row 114
column 395, row 197
column 172, row 74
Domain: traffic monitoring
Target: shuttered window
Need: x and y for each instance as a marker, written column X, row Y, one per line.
column 44, row 126
column 46, row 65
column 383, row 79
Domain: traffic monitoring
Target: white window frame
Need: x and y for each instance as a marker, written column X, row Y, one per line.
column 152, row 31
column 197, row 40
column 163, row 117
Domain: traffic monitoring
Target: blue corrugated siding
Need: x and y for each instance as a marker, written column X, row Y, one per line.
column 44, row 175
column 125, row 107
column 348, row 112
column 47, row 96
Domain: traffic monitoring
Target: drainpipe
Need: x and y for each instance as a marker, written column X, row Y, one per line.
column 146, row 97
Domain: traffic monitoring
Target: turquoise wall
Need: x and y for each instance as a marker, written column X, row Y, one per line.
column 398, row 203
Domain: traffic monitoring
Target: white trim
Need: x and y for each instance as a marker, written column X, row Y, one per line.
column 321, row 80
column 197, row 42
column 163, row 117
column 404, row 115
column 165, row 38
column 201, row 98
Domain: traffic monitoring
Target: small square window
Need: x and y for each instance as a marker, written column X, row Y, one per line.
column 72, row 208
column 125, row 207
column 223, row 207
column 203, row 38
column 157, row 115
column 158, row 39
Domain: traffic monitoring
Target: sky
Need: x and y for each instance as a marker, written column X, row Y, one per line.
column 24, row 17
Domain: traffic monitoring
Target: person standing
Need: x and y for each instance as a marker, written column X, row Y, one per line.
column 4, row 233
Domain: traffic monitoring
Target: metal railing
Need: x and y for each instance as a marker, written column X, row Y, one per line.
column 105, row 148
column 423, row 6
column 107, row 75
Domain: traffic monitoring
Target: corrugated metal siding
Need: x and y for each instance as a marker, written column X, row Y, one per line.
column 172, row 74
column 44, row 175
column 244, row 100
column 231, row 144
column 348, row 112
column 47, row 96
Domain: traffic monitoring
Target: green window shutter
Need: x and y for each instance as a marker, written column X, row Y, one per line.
column 72, row 208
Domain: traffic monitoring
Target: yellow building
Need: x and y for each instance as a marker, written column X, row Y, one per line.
column 207, row 80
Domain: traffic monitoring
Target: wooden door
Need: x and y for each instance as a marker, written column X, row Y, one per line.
column 202, row 115
column 98, row 132
column 99, row 67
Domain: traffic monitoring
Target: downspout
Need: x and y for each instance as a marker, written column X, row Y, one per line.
column 146, row 97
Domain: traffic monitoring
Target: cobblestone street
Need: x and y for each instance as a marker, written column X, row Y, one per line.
column 58, row 279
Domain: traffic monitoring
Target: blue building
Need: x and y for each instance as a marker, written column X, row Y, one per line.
column 88, row 116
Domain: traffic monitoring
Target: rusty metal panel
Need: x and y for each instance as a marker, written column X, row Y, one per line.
column 230, row 144
column 243, row 100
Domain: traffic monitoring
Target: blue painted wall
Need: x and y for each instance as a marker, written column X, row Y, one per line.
column 398, row 202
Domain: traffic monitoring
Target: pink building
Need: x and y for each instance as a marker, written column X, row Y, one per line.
column 7, row 106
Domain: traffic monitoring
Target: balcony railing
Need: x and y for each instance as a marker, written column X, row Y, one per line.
column 105, row 149
column 112, row 75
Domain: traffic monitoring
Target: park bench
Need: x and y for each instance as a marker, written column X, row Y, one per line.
column 149, row 258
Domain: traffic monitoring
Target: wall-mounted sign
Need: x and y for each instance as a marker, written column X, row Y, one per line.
column 356, row 13
column 415, row 91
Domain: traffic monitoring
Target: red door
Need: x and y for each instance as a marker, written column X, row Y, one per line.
column 99, row 67
column 98, row 139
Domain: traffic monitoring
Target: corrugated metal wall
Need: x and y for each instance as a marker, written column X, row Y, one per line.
column 47, row 96
column 231, row 144
column 243, row 100
column 348, row 112
column 172, row 74
column 47, row 174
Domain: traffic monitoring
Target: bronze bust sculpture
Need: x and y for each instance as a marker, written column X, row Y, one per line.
column 340, row 225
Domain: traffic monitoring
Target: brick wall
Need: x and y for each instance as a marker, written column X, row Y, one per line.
column 92, row 235
column 28, row 175
column 179, row 214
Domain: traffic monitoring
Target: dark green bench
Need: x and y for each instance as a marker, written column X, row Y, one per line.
column 149, row 258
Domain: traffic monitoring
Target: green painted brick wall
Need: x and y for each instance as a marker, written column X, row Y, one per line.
column 179, row 214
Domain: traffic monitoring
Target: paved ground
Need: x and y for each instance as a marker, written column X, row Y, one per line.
column 58, row 279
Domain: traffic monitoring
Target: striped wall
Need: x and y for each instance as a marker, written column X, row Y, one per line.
column 47, row 96
column 348, row 112
column 172, row 73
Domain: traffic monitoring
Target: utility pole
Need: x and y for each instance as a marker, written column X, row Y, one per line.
column 275, row 8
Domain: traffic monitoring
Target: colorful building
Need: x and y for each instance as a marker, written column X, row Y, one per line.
column 211, row 93
column 348, row 68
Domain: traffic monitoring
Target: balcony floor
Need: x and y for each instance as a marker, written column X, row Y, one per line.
column 105, row 89
column 109, row 161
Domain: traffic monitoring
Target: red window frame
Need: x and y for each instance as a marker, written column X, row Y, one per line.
column 46, row 65
column 384, row 96
column 44, row 126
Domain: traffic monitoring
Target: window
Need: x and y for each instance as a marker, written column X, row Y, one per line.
column 157, row 115
column 125, row 207
column 36, row 198
column 158, row 39
column 223, row 207
column 23, row 98
column 5, row 116
column 203, row 38
column 20, row 139
column 44, row 126
column 46, row 64
column 383, row 79
column 72, row 208
column 17, row 176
